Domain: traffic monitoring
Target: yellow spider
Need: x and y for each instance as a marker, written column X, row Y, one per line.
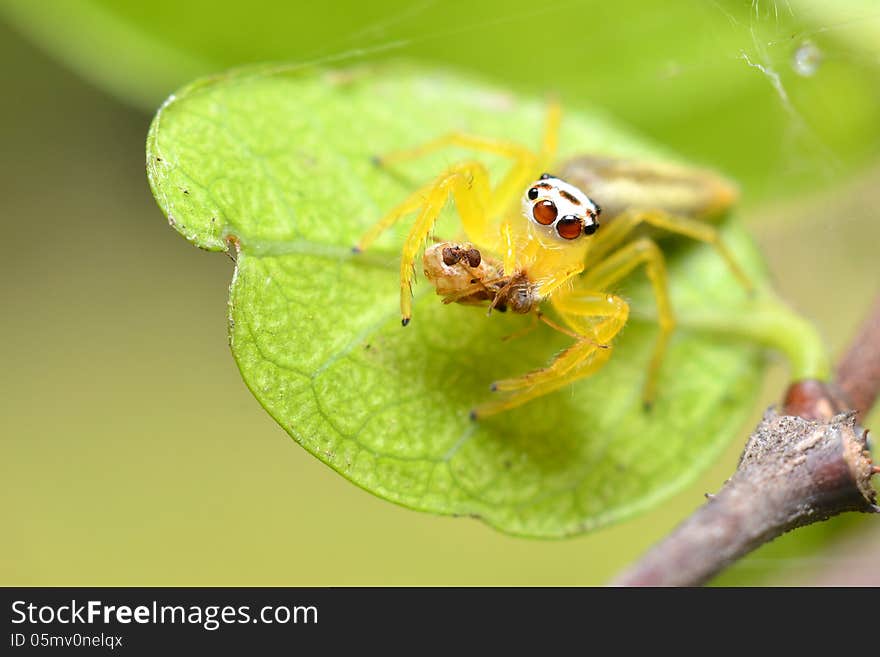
column 534, row 237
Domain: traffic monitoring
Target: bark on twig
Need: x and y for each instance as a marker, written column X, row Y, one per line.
column 806, row 464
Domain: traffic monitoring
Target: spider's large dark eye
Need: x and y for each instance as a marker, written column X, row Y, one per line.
column 532, row 193
column 545, row 212
column 569, row 227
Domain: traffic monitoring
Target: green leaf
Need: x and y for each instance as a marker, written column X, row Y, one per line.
column 280, row 159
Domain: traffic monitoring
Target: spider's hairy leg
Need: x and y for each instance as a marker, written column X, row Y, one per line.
column 550, row 285
column 575, row 308
column 524, row 168
column 508, row 246
column 412, row 203
column 591, row 362
column 472, row 200
column 583, row 358
column 507, row 149
column 469, row 185
column 618, row 265
column 625, row 223
column 527, row 166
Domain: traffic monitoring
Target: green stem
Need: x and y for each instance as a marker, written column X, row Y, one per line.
column 771, row 323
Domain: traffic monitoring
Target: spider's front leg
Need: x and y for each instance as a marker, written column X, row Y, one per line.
column 525, row 162
column 479, row 205
column 596, row 318
column 468, row 183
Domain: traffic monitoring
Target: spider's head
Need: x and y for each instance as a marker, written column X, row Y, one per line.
column 561, row 208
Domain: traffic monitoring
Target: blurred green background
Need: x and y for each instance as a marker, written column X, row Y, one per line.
column 132, row 451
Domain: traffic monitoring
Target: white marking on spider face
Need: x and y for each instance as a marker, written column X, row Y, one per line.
column 570, row 204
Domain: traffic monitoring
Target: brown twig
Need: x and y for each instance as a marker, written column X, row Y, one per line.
column 805, row 464
column 858, row 374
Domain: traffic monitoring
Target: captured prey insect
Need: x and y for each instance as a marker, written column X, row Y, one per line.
column 534, row 237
